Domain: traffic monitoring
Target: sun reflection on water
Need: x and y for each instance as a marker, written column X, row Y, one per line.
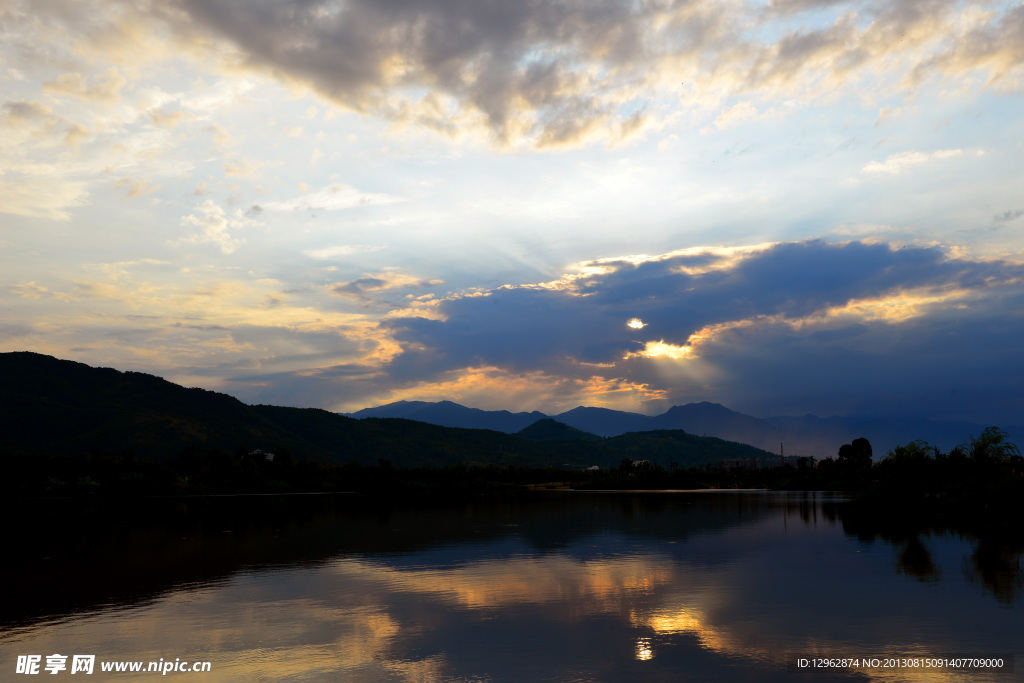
column 644, row 649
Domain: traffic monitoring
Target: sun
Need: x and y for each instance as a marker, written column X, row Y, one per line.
column 636, row 324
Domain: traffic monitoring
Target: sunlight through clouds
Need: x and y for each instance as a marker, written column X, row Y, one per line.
column 655, row 349
column 493, row 388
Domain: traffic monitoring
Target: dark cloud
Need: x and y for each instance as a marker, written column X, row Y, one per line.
column 365, row 289
column 784, row 337
column 793, row 6
column 481, row 53
column 794, row 280
column 202, row 328
column 564, row 72
column 361, row 286
column 554, row 72
column 14, row 331
column 1008, row 216
column 16, row 111
column 953, row 363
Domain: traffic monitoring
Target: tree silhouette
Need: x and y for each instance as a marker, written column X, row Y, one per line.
column 915, row 452
column 991, row 446
column 856, row 454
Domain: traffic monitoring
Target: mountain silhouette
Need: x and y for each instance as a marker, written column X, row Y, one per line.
column 53, row 406
column 806, row 435
column 449, row 414
column 548, row 429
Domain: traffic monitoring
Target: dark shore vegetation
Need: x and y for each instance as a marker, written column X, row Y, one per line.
column 982, row 477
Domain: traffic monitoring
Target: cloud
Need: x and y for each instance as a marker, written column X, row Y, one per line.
column 103, row 89
column 18, row 112
column 169, row 119
column 793, row 6
column 213, row 226
column 40, row 196
column 741, row 112
column 241, row 168
column 554, row 73
column 799, row 322
column 332, row 198
column 1008, row 216
column 896, row 164
column 550, row 74
column 361, row 289
column 342, row 250
column 195, row 329
column 75, row 135
column 494, row 388
column 44, row 125
column 560, row 73
column 136, row 188
column 989, row 42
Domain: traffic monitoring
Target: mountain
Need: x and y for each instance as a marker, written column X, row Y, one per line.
column 801, row 436
column 604, row 421
column 548, row 429
column 706, row 419
column 449, row 414
column 52, row 406
column 56, row 406
column 717, row 420
column 672, row 448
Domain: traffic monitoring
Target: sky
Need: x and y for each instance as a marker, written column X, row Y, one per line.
column 783, row 206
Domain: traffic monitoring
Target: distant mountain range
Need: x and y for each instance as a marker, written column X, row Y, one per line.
column 806, row 436
column 448, row 414
column 49, row 405
column 53, row 406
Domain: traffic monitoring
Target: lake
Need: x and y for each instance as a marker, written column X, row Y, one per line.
column 549, row 586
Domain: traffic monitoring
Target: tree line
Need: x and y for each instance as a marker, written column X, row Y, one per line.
column 986, row 471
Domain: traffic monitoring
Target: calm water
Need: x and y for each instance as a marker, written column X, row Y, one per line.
column 558, row 586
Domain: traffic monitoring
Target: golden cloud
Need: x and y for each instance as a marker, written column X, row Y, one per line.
column 103, row 89
column 491, row 387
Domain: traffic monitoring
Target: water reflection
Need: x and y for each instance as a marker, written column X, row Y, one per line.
column 643, row 649
column 997, row 566
column 916, row 560
column 994, row 563
column 560, row 587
